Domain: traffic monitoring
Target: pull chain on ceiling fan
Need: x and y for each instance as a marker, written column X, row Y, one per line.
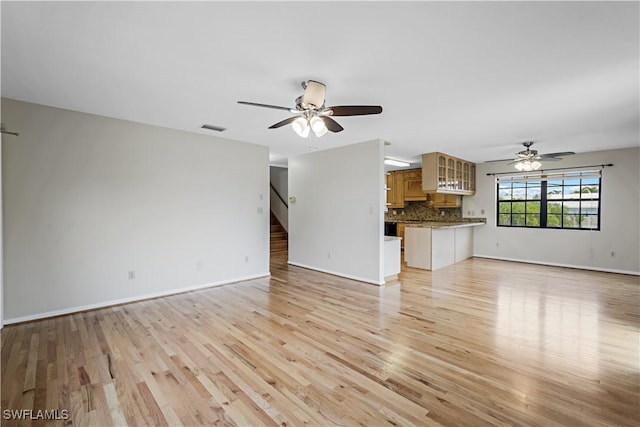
column 312, row 114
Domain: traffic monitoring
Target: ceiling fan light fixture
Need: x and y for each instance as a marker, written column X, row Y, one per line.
column 321, row 132
column 528, row 165
column 318, row 126
column 301, row 127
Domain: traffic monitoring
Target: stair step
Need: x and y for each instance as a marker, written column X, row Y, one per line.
column 279, row 244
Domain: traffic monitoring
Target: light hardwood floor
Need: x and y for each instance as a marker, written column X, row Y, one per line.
column 483, row 342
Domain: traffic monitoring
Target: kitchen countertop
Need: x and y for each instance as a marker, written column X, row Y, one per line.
column 390, row 238
column 442, row 224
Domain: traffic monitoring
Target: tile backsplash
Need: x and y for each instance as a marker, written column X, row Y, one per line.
column 421, row 211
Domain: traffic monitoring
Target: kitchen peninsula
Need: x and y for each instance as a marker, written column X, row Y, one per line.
column 431, row 245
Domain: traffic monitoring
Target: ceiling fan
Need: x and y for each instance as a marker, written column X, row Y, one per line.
column 528, row 159
column 312, row 113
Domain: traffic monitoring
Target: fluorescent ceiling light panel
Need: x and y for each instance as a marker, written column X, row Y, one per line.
column 394, row 162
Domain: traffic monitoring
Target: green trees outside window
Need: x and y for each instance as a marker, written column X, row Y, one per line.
column 571, row 201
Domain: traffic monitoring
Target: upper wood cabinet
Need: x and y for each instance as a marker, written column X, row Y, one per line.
column 413, row 186
column 446, row 200
column 395, row 189
column 442, row 173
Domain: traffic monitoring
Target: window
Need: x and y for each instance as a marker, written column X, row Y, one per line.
column 561, row 200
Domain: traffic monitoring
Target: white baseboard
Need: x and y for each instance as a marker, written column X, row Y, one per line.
column 555, row 264
column 334, row 273
column 127, row 300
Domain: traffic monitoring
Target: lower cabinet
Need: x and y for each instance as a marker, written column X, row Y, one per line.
column 443, row 247
column 432, row 248
column 463, row 243
column 391, row 258
column 417, row 248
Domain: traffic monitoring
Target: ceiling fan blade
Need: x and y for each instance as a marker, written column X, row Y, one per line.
column 255, row 104
column 499, row 160
column 283, row 123
column 355, row 110
column 331, row 124
column 552, row 155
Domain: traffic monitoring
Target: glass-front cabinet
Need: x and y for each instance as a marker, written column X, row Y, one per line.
column 442, row 173
column 458, row 183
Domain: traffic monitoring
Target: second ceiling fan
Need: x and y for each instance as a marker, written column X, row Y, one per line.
column 529, row 159
column 312, row 113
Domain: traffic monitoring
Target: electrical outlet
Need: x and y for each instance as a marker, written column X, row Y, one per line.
column 132, row 275
column 613, row 254
column 246, row 258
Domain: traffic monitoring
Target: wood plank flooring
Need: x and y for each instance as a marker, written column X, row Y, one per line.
column 482, row 342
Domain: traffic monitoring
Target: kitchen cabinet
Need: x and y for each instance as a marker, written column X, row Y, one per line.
column 463, row 238
column 431, row 248
column 395, row 189
column 442, row 173
column 472, row 178
column 445, row 200
column 391, row 258
column 413, row 186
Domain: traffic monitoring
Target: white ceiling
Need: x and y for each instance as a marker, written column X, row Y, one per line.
column 472, row 79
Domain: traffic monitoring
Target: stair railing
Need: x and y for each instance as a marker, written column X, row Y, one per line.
column 279, row 207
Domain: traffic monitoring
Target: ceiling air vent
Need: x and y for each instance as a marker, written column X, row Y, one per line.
column 212, row 127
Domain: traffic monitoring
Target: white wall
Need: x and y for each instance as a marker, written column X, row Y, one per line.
column 339, row 211
column 88, row 199
column 280, row 180
column 619, row 233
